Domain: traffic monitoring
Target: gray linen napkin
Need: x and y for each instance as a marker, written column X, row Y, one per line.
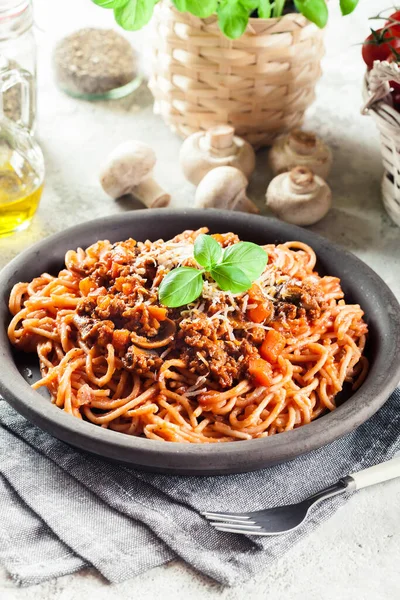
column 84, row 510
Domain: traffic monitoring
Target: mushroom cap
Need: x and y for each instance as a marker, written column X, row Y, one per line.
column 299, row 197
column 205, row 150
column 125, row 167
column 224, row 187
column 300, row 148
column 220, row 187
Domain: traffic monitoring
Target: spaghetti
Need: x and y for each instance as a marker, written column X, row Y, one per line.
column 225, row 367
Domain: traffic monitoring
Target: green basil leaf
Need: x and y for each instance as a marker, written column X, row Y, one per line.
column 134, row 14
column 230, row 278
column 232, row 18
column 246, row 256
column 250, row 4
column 110, row 3
column 314, row 10
column 207, row 251
column 264, row 9
column 347, row 6
column 278, row 8
column 180, row 286
column 199, row 8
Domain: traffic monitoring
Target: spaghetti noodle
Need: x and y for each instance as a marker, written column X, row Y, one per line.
column 225, row 367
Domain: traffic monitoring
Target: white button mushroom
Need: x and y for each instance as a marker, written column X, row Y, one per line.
column 219, row 146
column 224, row 187
column 300, row 149
column 128, row 170
column 299, row 197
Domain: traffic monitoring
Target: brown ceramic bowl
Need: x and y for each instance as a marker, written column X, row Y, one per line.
column 360, row 284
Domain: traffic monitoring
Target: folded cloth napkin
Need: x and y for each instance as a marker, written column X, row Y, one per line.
column 63, row 509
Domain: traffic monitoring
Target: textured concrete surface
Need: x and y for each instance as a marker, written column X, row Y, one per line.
column 356, row 554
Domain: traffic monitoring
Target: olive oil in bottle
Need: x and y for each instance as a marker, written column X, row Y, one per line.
column 20, row 191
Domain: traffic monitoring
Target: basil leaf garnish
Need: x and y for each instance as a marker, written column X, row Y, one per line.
column 347, row 6
column 134, row 14
column 233, row 269
column 181, row 286
column 314, row 10
column 232, row 18
column 250, row 4
column 230, row 278
column 199, row 8
column 207, row 251
column 250, row 258
column 110, row 3
column 264, row 9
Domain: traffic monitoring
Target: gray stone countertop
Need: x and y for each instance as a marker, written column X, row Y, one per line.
column 355, row 555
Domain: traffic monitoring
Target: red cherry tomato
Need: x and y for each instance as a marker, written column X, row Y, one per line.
column 376, row 47
column 394, row 23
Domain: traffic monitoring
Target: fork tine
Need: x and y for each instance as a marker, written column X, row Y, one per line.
column 218, row 515
column 232, row 520
column 241, row 527
column 260, row 531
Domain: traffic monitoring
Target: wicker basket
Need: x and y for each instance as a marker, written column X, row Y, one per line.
column 261, row 83
column 378, row 105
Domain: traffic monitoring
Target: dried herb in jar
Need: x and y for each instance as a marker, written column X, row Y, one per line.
column 12, row 97
column 92, row 62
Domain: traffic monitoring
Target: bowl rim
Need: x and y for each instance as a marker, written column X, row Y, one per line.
column 231, row 457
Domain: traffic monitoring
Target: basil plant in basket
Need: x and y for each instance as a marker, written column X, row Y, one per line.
column 233, row 15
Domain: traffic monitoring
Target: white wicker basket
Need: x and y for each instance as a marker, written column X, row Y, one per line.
column 261, row 83
column 378, row 105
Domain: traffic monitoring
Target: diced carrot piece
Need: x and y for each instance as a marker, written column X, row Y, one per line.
column 120, row 339
column 86, row 285
column 261, row 370
column 101, row 291
column 103, row 302
column 255, row 293
column 158, row 312
column 115, row 269
column 218, row 237
column 272, row 346
column 259, row 313
column 127, row 288
column 262, row 311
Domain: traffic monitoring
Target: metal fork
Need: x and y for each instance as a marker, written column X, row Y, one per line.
column 278, row 520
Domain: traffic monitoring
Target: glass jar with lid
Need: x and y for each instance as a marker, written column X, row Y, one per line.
column 18, row 59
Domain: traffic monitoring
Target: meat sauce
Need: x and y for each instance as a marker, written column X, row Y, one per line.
column 218, row 339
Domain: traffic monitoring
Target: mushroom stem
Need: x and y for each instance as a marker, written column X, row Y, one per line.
column 151, row 194
column 243, row 204
column 224, row 187
column 129, row 170
column 219, row 141
column 300, row 148
column 299, row 197
column 204, row 151
column 302, row 180
column 302, row 142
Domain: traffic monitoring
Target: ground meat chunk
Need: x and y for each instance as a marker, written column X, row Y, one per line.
column 256, row 335
column 189, row 235
column 141, row 362
column 86, row 306
column 215, row 361
column 305, row 296
column 101, row 276
column 285, row 311
column 95, row 332
column 226, row 239
column 205, row 353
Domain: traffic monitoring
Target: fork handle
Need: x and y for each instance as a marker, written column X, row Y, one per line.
column 377, row 474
